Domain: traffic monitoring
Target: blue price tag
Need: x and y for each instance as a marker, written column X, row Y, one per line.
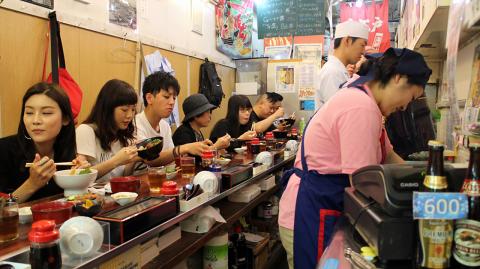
column 440, row 205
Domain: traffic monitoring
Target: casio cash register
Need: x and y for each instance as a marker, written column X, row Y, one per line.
column 379, row 206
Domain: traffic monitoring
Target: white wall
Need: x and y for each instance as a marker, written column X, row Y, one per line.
column 162, row 23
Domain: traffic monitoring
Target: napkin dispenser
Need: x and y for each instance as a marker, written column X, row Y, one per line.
column 235, row 175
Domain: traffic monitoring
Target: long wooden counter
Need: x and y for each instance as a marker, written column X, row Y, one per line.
column 189, row 243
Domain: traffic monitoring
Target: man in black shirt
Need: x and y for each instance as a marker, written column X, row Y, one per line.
column 197, row 115
column 266, row 110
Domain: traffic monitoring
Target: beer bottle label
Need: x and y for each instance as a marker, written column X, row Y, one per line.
column 467, row 242
column 471, row 187
column 435, row 182
column 436, row 242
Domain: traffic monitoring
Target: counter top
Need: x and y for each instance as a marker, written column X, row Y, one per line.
column 10, row 249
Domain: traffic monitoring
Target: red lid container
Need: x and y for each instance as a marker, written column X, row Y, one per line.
column 56, row 211
column 43, row 231
column 207, row 155
column 125, row 184
column 169, row 185
column 255, row 141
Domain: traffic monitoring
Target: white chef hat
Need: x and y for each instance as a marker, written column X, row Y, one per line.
column 351, row 29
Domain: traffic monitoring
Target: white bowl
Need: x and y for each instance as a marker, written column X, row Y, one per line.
column 25, row 215
column 80, row 237
column 74, row 184
column 123, row 198
column 239, row 150
column 223, row 161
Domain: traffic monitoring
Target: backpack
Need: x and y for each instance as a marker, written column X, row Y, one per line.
column 210, row 85
column 410, row 130
column 59, row 74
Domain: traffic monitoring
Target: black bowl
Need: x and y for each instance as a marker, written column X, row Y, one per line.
column 280, row 134
column 88, row 212
column 150, row 153
column 287, row 122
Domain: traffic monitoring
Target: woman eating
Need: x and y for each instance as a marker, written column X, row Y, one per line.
column 106, row 137
column 46, row 134
column 346, row 134
column 237, row 122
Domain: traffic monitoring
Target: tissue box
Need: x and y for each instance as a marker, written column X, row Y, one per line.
column 194, row 202
column 287, row 154
column 246, row 194
column 259, row 168
column 267, row 183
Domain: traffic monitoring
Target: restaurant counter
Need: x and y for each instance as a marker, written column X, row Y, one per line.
column 17, row 250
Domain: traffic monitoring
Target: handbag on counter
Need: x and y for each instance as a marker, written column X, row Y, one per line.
column 59, row 74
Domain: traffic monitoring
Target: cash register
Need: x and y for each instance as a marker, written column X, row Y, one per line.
column 379, row 205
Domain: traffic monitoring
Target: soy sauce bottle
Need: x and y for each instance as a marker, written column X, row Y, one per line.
column 44, row 247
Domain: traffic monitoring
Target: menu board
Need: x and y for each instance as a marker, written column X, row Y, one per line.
column 290, row 17
column 310, row 18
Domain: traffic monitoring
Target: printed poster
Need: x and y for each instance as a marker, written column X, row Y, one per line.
column 285, row 79
column 233, row 27
column 123, row 13
column 306, row 81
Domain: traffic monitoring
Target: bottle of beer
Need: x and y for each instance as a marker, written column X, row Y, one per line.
column 435, row 236
column 467, row 231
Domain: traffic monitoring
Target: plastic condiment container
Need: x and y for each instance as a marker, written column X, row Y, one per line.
column 169, row 188
column 44, row 245
column 294, row 134
column 216, row 169
column 270, row 140
column 207, row 158
column 255, row 146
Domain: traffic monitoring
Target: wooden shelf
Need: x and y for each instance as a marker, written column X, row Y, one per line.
column 191, row 242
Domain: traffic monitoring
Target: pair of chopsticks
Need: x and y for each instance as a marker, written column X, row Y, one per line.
column 57, row 164
column 253, row 127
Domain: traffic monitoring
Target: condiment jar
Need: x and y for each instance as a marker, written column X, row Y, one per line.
column 169, row 188
column 255, row 146
column 294, row 134
column 207, row 158
column 270, row 140
column 44, row 245
column 216, row 169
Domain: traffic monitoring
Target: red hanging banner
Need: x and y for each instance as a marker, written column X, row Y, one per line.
column 375, row 16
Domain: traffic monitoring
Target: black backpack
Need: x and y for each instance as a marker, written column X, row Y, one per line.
column 210, row 85
column 410, row 130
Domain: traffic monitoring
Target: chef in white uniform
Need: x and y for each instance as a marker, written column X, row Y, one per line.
column 349, row 45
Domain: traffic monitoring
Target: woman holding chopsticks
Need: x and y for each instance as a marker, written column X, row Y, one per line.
column 46, row 134
column 237, row 122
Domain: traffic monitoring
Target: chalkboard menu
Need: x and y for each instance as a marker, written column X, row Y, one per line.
column 291, row 17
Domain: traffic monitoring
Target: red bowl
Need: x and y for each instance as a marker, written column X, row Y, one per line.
column 125, row 184
column 56, row 210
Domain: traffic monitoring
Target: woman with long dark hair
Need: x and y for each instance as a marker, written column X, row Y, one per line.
column 46, row 134
column 106, row 137
column 237, row 123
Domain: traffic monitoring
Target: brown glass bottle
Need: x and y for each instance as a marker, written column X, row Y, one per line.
column 435, row 236
column 466, row 250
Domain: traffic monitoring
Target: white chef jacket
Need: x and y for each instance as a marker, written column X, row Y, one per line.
column 331, row 76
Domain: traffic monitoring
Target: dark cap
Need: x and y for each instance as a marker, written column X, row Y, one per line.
column 410, row 63
column 195, row 105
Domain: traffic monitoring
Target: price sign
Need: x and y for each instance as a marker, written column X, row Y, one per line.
column 440, row 205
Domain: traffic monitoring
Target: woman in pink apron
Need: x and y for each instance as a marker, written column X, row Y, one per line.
column 345, row 134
